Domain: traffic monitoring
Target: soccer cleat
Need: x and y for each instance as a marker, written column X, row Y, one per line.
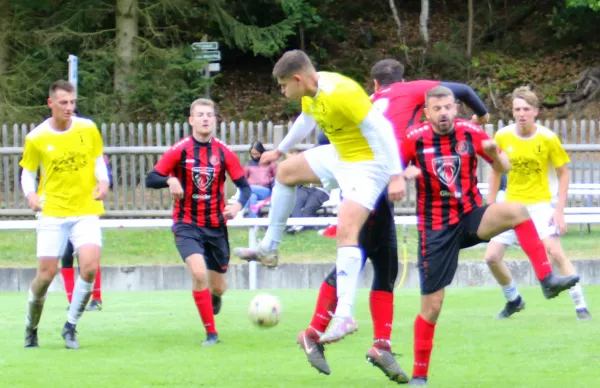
column 31, row 338
column 268, row 258
column 309, row 342
column 553, row 285
column 95, row 305
column 69, row 334
column 211, row 339
column 512, row 307
column 418, row 381
column 339, row 327
column 216, row 303
column 383, row 358
column 583, row 314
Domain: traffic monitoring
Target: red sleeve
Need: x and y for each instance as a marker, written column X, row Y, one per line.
column 479, row 135
column 407, row 151
column 233, row 165
column 169, row 161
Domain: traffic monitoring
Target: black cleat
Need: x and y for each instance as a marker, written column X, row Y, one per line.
column 385, row 360
column 211, row 339
column 315, row 352
column 31, row 338
column 418, row 381
column 69, row 334
column 216, row 303
column 512, row 307
column 95, row 305
column 583, row 314
column 553, row 285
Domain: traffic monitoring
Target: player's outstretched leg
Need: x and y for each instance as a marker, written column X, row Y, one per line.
column 217, row 302
column 34, row 313
column 309, row 339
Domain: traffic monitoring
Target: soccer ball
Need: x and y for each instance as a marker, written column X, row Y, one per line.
column 264, row 310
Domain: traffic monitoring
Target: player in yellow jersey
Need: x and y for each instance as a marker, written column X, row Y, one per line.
column 68, row 151
column 537, row 158
column 361, row 159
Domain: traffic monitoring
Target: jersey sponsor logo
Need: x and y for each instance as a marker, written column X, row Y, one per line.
column 446, row 168
column 461, row 147
column 203, row 177
column 214, row 160
column 70, row 161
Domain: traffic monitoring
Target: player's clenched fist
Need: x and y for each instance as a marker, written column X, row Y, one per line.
column 33, row 201
column 175, row 188
column 490, row 147
column 396, row 188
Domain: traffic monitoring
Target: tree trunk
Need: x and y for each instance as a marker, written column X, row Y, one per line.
column 4, row 28
column 301, row 35
column 400, row 35
column 126, row 48
column 470, row 30
column 423, row 20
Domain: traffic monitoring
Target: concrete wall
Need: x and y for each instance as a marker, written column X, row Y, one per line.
column 150, row 278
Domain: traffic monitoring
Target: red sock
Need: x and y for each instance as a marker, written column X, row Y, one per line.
column 68, row 275
column 423, row 344
column 534, row 248
column 204, row 304
column 382, row 313
column 325, row 305
column 97, row 292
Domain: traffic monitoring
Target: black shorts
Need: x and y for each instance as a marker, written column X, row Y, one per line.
column 211, row 243
column 379, row 229
column 439, row 249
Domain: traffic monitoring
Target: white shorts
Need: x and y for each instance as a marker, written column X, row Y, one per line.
column 541, row 215
column 362, row 182
column 53, row 233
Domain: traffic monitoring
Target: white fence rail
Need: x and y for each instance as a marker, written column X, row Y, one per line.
column 133, row 149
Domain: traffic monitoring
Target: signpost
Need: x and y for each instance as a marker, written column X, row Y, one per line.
column 210, row 53
column 73, row 64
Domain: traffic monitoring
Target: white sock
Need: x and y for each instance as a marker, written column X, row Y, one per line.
column 576, row 293
column 283, row 200
column 510, row 291
column 81, row 296
column 35, row 306
column 348, row 265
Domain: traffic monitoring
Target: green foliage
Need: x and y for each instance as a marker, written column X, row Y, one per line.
column 593, row 4
column 573, row 24
column 447, row 61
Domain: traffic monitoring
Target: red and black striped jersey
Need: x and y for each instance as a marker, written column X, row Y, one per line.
column 447, row 187
column 200, row 167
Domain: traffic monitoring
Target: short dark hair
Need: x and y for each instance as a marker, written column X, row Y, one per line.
column 437, row 92
column 61, row 84
column 387, row 71
column 257, row 145
column 290, row 63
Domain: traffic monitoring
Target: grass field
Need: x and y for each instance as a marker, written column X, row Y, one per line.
column 152, row 339
column 156, row 246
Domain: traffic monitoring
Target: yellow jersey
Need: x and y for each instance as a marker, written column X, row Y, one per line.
column 339, row 106
column 66, row 161
column 533, row 161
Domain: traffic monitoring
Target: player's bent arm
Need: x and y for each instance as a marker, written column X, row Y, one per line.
column 501, row 163
column 563, row 186
column 155, row 180
column 302, row 126
column 245, row 190
column 493, row 186
column 376, row 122
column 466, row 94
column 28, row 179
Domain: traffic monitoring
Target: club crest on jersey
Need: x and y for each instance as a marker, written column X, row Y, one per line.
column 461, row 147
column 446, row 168
column 203, row 177
column 213, row 160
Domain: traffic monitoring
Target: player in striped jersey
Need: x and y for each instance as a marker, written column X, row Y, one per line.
column 194, row 171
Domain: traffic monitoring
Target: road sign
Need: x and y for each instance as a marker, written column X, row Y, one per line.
column 214, row 67
column 211, row 56
column 205, row 46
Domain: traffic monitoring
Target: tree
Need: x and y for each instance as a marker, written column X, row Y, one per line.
column 126, row 45
column 593, row 4
column 470, row 29
column 423, row 20
column 4, row 29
